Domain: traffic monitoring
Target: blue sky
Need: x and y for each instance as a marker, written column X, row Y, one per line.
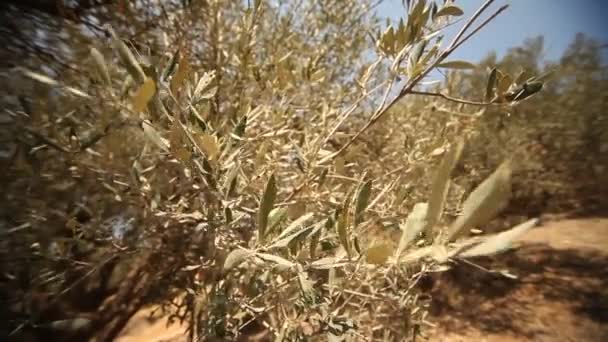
column 557, row 20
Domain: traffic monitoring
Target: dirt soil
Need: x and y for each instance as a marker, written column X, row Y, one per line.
column 560, row 294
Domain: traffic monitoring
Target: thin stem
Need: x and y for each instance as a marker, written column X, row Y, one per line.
column 349, row 112
column 466, row 26
column 407, row 89
column 450, row 98
column 498, row 11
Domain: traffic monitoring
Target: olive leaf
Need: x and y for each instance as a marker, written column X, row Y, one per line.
column 492, row 78
column 327, row 263
column 499, row 242
column 314, row 242
column 51, row 82
column 239, row 130
column 292, row 232
column 131, row 63
column 449, row 10
column 208, row 144
column 298, row 235
column 484, row 202
column 100, row 63
column 170, row 69
column 457, row 64
column 282, row 262
column 362, row 201
column 295, row 225
column 153, row 136
column 230, row 180
column 414, row 224
column 266, row 205
column 503, row 83
column 440, row 185
column 236, row 257
column 275, row 217
column 180, row 75
column 143, row 95
column 528, row 89
column 341, row 226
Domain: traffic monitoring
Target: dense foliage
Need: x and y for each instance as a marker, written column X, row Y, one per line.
column 279, row 167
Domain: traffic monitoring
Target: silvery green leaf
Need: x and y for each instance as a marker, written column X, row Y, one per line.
column 499, row 242
column 482, row 205
column 415, row 223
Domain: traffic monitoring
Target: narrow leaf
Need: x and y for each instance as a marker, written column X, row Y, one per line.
column 260, row 155
column 171, row 67
column 236, row 257
column 461, row 65
column 230, row 180
column 327, row 263
column 314, row 242
column 412, row 63
column 433, row 10
column 143, row 95
column 40, row 78
column 133, row 66
column 417, row 254
column 208, row 144
column 295, row 225
column 440, row 185
column 484, row 202
column 202, row 84
column 276, row 259
column 100, row 63
column 153, row 136
column 492, row 78
column 503, row 83
column 528, row 89
column 543, row 77
column 362, row 201
column 499, row 242
column 51, row 82
column 306, row 285
column 270, row 194
column 70, row 325
column 239, row 130
column 275, row 217
column 522, row 77
column 208, row 94
column 449, row 10
column 286, row 240
column 180, row 75
column 341, row 226
column 414, row 224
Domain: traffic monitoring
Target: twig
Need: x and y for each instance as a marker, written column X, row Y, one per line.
column 450, row 98
column 46, row 140
column 468, row 24
column 16, row 229
column 349, row 112
column 482, row 25
column 407, row 88
column 351, row 292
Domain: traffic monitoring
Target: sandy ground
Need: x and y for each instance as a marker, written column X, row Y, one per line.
column 561, row 293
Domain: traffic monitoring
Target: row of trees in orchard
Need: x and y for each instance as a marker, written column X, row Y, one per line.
column 274, row 167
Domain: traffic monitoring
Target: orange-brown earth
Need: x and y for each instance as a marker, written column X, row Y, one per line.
column 560, row 294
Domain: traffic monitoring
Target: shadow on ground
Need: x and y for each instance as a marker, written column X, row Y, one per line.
column 562, row 282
